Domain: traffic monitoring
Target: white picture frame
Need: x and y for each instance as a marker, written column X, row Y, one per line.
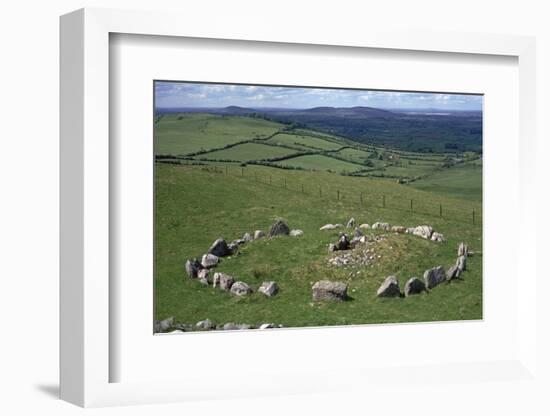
column 85, row 211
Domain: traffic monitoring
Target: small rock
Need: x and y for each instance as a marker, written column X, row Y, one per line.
column 268, row 326
column 247, row 237
column 269, row 289
column 364, row 226
column 209, row 260
column 245, row 326
column 331, row 248
column 258, row 234
column 453, row 273
column 351, row 223
column 381, row 226
column 238, row 242
column 327, row 290
column 296, row 233
column 192, row 268
column 461, row 263
column 233, row 248
column 327, row 227
column 207, row 325
column 389, row 289
column 462, row 249
column 204, row 276
column 176, row 331
column 357, row 232
column 424, row 231
column 219, row 248
column 434, row 276
column 224, row 281
column 230, row 326
column 343, row 243
column 409, row 230
column 398, row 229
column 279, row 228
column 166, row 324
column 414, row 286
column 240, row 289
column 438, row 237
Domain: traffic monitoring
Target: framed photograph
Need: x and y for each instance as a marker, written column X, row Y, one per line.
column 240, row 215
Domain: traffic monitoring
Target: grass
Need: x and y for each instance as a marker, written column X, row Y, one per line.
column 320, row 163
column 304, row 142
column 248, row 151
column 195, row 205
column 179, row 134
column 463, row 182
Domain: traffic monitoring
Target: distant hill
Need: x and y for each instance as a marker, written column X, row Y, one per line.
column 423, row 130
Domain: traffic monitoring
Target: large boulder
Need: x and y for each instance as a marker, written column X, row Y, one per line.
column 269, row 289
column 414, row 286
column 351, row 223
column 389, row 289
column 192, row 268
column 327, row 290
column 453, row 272
column 258, row 234
column 240, row 289
column 437, row 237
column 381, row 226
column 296, row 233
column 204, row 277
column 462, row 249
column 223, row 281
column 209, row 260
column 424, row 231
column 461, row 263
column 219, row 248
column 279, row 228
column 434, row 276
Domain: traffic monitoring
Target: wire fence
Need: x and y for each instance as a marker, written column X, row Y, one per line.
column 363, row 198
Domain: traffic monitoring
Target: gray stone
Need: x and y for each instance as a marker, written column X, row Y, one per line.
column 389, row 288
column 357, row 232
column 461, row 263
column 414, row 286
column 166, row 324
column 207, row 325
column 296, row 233
column 247, row 237
column 268, row 326
column 331, row 248
column 204, row 277
column 269, row 289
column 230, row 326
column 434, row 276
column 209, row 260
column 240, row 289
column 398, row 229
column 223, row 281
column 328, row 227
column 279, row 228
column 327, row 290
column 438, row 237
column 381, row 226
column 219, row 248
column 364, row 226
column 258, row 234
column 192, row 268
column 453, row 273
column 351, row 223
column 238, row 241
column 424, row 231
column 462, row 249
column 409, row 230
column 233, row 248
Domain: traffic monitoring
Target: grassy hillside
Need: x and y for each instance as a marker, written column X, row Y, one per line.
column 248, row 151
column 196, row 205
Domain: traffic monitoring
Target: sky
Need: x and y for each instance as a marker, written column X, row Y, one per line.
column 181, row 94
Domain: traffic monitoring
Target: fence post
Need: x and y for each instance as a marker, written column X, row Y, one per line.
column 270, row 179
column 320, row 194
column 302, row 188
column 226, row 171
column 411, row 205
column 473, row 216
column 285, row 182
column 361, row 198
column 255, row 177
column 338, row 195
column 242, row 171
column 440, row 210
column 383, row 201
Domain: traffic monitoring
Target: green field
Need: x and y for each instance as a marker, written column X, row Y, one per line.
column 248, row 151
column 187, row 133
column 304, row 142
column 196, row 204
